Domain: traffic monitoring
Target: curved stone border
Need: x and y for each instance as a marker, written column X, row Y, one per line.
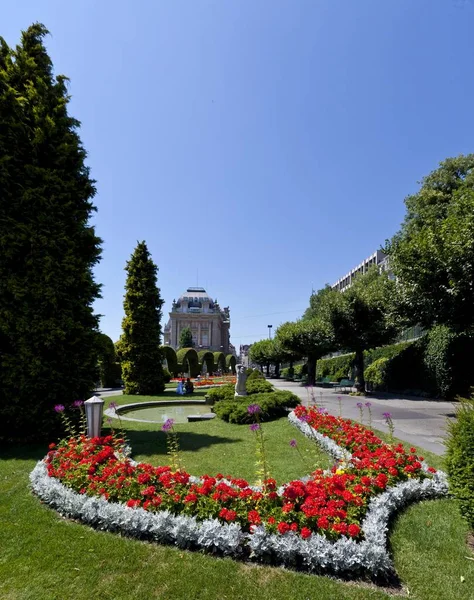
column 315, row 554
column 116, row 413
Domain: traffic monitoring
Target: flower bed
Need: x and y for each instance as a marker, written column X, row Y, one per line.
column 335, row 521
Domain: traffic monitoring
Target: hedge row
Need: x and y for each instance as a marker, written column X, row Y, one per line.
column 460, row 459
column 272, row 404
column 437, row 364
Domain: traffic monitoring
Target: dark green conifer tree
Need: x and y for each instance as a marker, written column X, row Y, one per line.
column 139, row 346
column 48, row 330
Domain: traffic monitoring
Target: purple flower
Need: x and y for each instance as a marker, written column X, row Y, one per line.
column 109, row 420
column 167, row 425
column 368, row 404
column 59, row 408
column 254, row 427
column 387, row 415
column 293, row 443
column 339, row 398
column 253, row 409
column 304, row 418
column 113, row 405
column 359, row 404
column 322, row 410
column 77, row 403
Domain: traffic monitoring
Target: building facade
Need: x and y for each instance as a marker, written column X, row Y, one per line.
column 209, row 323
column 378, row 258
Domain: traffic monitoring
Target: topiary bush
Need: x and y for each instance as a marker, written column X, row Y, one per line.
column 273, row 405
column 460, row 459
column 166, row 375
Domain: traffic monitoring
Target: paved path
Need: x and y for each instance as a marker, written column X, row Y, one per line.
column 105, row 392
column 417, row 421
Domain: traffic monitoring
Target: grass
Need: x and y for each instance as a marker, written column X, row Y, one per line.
column 46, row 557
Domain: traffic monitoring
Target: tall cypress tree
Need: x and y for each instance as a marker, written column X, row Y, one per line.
column 47, row 246
column 139, row 346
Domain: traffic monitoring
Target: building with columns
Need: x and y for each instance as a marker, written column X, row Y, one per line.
column 209, row 323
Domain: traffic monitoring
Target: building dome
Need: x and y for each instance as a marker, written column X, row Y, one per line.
column 194, row 297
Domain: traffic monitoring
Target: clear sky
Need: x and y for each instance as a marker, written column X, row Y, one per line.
column 261, row 148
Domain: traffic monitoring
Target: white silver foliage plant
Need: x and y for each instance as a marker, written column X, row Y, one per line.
column 314, row 554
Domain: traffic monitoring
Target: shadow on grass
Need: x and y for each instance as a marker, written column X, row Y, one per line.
column 23, row 451
column 154, row 442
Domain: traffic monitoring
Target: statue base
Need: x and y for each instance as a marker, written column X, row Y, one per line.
column 241, row 395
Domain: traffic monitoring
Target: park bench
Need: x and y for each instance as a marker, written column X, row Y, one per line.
column 324, row 382
column 344, row 384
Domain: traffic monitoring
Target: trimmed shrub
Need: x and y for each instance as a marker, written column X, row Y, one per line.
column 273, row 405
column 166, row 375
column 375, row 373
column 337, row 368
column 460, row 459
column 223, row 392
column 287, row 373
column 258, row 386
column 255, row 374
column 301, row 370
column 448, row 358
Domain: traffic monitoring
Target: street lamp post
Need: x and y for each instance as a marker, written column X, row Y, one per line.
column 269, row 331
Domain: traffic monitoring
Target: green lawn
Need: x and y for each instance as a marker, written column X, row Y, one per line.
column 43, row 556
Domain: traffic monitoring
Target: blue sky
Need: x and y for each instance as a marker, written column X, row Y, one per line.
column 259, row 147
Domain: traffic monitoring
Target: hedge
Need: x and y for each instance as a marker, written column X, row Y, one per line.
column 227, row 391
column 272, row 404
column 460, row 459
column 449, row 360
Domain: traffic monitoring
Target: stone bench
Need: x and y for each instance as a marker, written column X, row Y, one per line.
column 206, row 417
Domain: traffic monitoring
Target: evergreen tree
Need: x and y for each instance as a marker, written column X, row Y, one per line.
column 109, row 367
column 48, row 331
column 139, row 346
column 186, row 338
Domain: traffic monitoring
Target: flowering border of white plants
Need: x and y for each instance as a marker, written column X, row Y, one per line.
column 315, row 554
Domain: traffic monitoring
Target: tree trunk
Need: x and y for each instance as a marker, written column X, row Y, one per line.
column 359, row 371
column 277, row 370
column 268, row 369
column 311, row 369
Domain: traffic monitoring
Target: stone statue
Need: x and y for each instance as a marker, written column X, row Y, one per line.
column 240, row 389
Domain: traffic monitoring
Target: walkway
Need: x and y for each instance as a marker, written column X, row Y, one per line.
column 417, row 421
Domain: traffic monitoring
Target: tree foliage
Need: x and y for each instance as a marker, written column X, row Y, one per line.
column 140, row 353
column 311, row 337
column 109, row 367
column 48, row 331
column 186, row 338
column 433, row 253
column 362, row 317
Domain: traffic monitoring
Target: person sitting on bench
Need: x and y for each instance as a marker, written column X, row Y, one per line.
column 189, row 386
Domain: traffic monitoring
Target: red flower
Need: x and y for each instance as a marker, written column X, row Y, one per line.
column 271, row 520
column 254, row 518
column 133, row 503
column 191, row 498
column 353, row 530
column 305, row 533
column 283, row 528
column 323, row 523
